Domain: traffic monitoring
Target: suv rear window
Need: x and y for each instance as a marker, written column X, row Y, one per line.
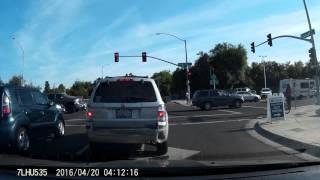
column 124, row 92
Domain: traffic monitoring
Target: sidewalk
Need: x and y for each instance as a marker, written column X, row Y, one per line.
column 300, row 130
column 182, row 102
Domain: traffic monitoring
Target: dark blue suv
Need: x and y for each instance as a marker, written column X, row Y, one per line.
column 27, row 114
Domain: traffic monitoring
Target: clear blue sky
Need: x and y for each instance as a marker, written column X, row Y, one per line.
column 68, row 40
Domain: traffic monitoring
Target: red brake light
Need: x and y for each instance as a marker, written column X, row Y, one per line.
column 161, row 114
column 5, row 105
column 125, row 80
column 89, row 114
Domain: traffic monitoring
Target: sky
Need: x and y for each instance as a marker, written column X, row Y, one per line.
column 68, row 40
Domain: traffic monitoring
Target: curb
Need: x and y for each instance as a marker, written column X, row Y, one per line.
column 291, row 143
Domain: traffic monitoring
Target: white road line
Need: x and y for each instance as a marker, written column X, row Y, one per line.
column 255, row 107
column 75, row 119
column 228, row 111
column 75, row 125
column 83, row 149
column 210, row 122
column 195, row 116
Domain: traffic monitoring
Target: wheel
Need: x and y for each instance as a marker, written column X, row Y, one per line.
column 60, row 129
column 207, row 106
column 256, row 99
column 162, row 148
column 23, row 140
column 237, row 104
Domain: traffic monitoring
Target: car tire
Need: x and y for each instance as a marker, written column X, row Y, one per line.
column 256, row 99
column 237, row 104
column 207, row 106
column 162, row 148
column 60, row 129
column 23, row 141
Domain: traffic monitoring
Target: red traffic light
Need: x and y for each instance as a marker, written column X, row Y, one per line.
column 144, row 57
column 116, row 57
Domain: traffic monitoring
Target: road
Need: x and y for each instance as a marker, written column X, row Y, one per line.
column 219, row 134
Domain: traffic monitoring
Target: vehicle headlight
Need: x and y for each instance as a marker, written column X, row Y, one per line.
column 76, row 101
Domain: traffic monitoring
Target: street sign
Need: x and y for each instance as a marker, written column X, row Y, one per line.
column 183, row 65
column 307, row 34
column 276, row 108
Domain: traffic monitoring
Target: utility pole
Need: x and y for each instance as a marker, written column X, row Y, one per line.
column 315, row 54
column 264, row 71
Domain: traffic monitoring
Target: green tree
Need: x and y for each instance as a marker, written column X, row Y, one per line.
column 229, row 63
column 178, row 85
column 80, row 88
column 61, row 88
column 15, row 81
column 200, row 73
column 163, row 80
column 46, row 89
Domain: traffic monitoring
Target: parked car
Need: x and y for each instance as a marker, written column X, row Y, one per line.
column 205, row 99
column 27, row 114
column 253, row 91
column 245, row 89
column 127, row 110
column 248, row 96
column 70, row 103
column 265, row 92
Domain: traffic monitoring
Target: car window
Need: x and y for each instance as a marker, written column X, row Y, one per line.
column 39, row 98
column 58, row 96
column 25, row 97
column 51, row 96
column 125, row 91
column 203, row 93
column 214, row 93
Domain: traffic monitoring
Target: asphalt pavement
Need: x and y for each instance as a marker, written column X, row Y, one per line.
column 219, row 134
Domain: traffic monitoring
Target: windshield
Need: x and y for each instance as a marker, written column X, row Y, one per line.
column 170, row 83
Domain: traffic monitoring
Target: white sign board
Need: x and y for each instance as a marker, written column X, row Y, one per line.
column 275, row 105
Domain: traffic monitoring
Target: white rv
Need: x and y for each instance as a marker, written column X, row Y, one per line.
column 299, row 87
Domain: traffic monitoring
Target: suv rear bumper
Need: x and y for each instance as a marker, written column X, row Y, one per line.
column 127, row 136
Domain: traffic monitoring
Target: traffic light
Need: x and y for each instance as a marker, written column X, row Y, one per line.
column 253, row 48
column 269, row 39
column 312, row 55
column 116, row 57
column 144, row 57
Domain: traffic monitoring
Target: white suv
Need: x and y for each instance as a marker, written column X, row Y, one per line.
column 127, row 110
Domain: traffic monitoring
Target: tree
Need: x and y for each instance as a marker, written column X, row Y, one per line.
column 61, row 88
column 200, row 73
column 15, row 81
column 163, row 80
column 46, row 89
column 229, row 62
column 30, row 85
column 178, row 85
column 80, row 88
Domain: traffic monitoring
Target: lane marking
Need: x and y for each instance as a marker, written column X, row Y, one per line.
column 86, row 147
column 255, row 107
column 228, row 111
column 210, row 122
column 75, row 119
column 74, row 125
column 195, row 116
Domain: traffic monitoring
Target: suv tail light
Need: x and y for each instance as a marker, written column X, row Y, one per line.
column 161, row 115
column 6, row 110
column 89, row 114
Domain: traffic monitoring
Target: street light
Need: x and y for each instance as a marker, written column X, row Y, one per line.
column 22, row 51
column 264, row 71
column 187, row 68
column 314, row 49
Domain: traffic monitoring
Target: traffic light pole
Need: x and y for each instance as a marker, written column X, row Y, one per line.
column 152, row 57
column 315, row 52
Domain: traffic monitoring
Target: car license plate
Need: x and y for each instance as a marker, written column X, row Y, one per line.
column 123, row 113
